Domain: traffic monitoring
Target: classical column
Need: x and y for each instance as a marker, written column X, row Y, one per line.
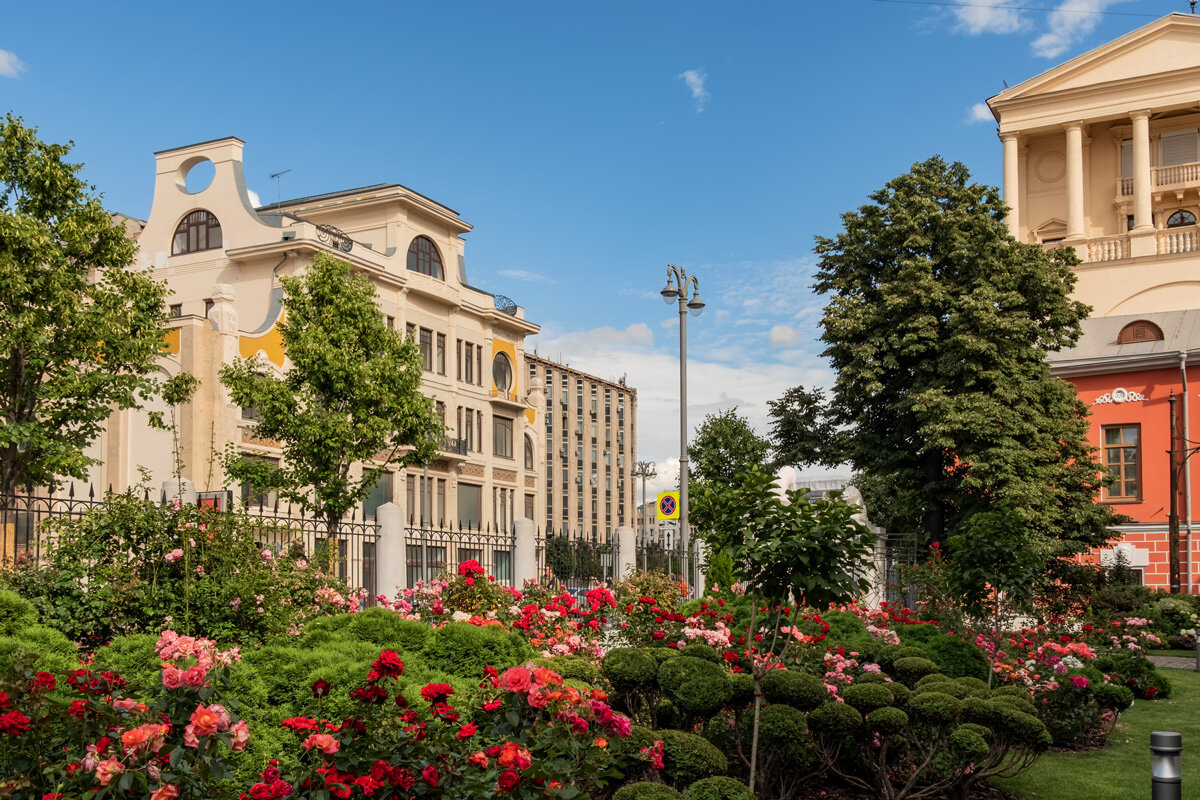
column 1012, row 185
column 1074, row 180
column 1142, row 216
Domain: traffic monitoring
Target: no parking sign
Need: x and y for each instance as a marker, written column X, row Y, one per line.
column 668, row 505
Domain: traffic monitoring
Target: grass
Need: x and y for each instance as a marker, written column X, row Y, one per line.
column 1172, row 653
column 1122, row 770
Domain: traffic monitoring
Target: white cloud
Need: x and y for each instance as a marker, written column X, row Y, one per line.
column 989, row 16
column 695, row 78
column 1070, row 22
column 979, row 113
column 526, row 275
column 10, row 65
column 783, row 335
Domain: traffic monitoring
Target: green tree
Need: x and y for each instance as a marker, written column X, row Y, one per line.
column 938, row 325
column 79, row 332
column 801, row 430
column 725, row 446
column 351, row 395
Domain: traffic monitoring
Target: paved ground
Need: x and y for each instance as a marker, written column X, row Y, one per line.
column 1173, row 662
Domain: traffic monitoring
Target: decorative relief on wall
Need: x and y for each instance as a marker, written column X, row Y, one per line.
column 473, row 470
column 507, row 475
column 1118, row 396
column 530, row 482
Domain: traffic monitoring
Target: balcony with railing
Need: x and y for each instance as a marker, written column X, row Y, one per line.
column 1173, row 176
column 1168, row 241
column 454, row 446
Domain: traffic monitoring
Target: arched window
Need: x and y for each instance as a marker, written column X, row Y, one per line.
column 528, row 453
column 423, row 257
column 198, row 231
column 502, row 373
column 1140, row 331
column 1181, row 219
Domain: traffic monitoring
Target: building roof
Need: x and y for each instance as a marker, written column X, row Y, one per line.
column 619, row 384
column 1098, row 352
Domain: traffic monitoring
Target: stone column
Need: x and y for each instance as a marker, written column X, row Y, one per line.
column 1012, row 184
column 1142, row 217
column 626, row 551
column 525, row 566
column 391, row 560
column 1075, row 215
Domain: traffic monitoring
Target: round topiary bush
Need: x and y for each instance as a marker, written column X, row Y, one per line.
column 967, row 746
column 846, row 627
column 1012, row 691
column 871, row 677
column 918, row 634
column 132, row 657
column 16, row 613
column 463, row 649
column 783, row 728
column 946, row 687
column 687, row 757
column 630, row 669
column 933, row 677
column 794, row 688
column 979, row 687
column 696, row 687
column 887, row 720
column 1022, row 704
column 957, row 657
column 573, row 667
column 1118, row 698
column 718, row 788
column 834, row 720
column 900, row 693
column 1021, row 726
column 743, row 689
column 388, row 629
column 645, row 790
column 867, row 697
column 912, row 668
column 701, row 650
column 934, row 708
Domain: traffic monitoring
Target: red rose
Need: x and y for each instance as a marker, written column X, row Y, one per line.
column 467, row 731
column 389, row 664
column 437, row 692
column 430, row 776
column 320, row 689
column 509, row 780
column 14, row 723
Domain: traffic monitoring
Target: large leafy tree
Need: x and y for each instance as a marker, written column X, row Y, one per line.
column 938, row 324
column 351, row 395
column 802, row 431
column 79, row 330
column 724, row 447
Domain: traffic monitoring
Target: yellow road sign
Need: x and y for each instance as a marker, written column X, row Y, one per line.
column 668, row 505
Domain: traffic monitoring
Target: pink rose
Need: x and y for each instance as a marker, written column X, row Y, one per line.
column 516, row 679
column 323, row 742
column 241, row 735
column 195, row 676
column 172, row 678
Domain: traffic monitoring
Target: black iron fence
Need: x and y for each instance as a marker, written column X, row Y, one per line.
column 349, row 552
column 898, row 549
column 432, row 552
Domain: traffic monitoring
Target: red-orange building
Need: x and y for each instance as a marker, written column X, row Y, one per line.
column 1126, row 369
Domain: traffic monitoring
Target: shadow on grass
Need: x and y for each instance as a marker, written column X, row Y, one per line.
column 1122, row 770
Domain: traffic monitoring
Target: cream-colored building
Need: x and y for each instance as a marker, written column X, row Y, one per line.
column 589, row 451
column 1103, row 153
column 222, row 255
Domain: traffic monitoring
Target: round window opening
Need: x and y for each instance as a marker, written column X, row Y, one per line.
column 502, row 372
column 199, row 176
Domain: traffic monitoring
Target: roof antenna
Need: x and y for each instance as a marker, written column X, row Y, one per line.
column 277, row 176
column 1192, row 3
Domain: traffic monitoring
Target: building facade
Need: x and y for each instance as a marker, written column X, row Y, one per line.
column 222, row 255
column 1102, row 154
column 588, row 451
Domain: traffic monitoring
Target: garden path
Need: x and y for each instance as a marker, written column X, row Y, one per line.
column 1174, row 662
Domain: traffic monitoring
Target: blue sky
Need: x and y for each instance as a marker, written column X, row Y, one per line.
column 590, row 144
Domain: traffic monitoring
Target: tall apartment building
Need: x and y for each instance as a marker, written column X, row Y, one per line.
column 222, row 255
column 589, row 442
column 1102, row 154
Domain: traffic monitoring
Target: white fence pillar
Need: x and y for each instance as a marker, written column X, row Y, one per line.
column 181, row 489
column 701, row 587
column 525, row 566
column 391, row 560
column 626, row 551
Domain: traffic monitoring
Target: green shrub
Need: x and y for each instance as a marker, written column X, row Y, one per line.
column 934, row 708
column 957, row 657
column 701, row 650
column 933, row 677
column 133, row 658
column 645, row 790
column 696, row 687
column 743, row 689
column 463, row 649
column 1012, row 691
column 718, row 788
column 900, row 693
column 1135, row 672
column 1117, row 698
column 967, row 746
column 571, row 667
column 918, row 634
column 794, row 688
column 687, row 757
column 784, row 728
column 887, row 720
column 16, row 613
column 834, row 720
column 1022, row 704
column 388, row 629
column 912, row 668
column 845, row 626
column 890, row 654
column 867, row 697
column 947, row 687
column 871, row 677
column 982, row 730
column 1022, row 727
column 630, row 669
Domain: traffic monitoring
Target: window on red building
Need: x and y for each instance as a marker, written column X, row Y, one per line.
column 1122, row 456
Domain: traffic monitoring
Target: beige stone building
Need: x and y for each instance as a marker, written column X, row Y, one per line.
column 222, row 254
column 1103, row 153
column 588, row 451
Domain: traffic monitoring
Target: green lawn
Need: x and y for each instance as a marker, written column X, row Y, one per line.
column 1172, row 653
column 1122, row 770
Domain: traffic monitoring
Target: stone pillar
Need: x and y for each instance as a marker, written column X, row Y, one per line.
column 1012, row 183
column 1142, row 219
column 626, row 551
column 1075, row 215
column 182, row 490
column 525, row 567
column 391, row 560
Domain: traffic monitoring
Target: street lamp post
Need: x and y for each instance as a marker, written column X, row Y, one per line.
column 644, row 470
column 678, row 283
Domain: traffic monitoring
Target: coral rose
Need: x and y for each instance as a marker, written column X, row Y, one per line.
column 323, row 742
column 205, row 721
column 172, row 678
column 516, row 679
column 168, row 792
